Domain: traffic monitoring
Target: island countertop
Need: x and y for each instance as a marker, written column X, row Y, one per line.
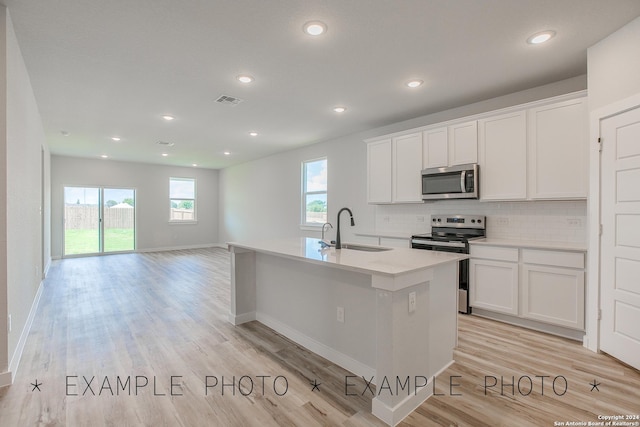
column 392, row 262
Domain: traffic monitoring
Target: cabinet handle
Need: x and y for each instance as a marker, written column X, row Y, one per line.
column 463, row 178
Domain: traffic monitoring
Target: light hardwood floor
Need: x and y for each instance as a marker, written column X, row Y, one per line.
column 148, row 317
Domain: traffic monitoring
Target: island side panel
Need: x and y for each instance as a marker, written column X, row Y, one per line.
column 413, row 347
column 243, row 286
column 443, row 318
column 300, row 299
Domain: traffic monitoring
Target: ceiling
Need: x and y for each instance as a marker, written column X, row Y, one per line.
column 112, row 68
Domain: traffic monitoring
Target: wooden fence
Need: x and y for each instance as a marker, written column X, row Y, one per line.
column 85, row 217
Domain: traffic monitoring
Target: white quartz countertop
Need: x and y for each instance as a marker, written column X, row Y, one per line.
column 533, row 244
column 394, row 262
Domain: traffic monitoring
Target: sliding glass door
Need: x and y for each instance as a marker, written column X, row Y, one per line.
column 98, row 220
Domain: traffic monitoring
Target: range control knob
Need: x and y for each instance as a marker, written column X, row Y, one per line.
column 479, row 221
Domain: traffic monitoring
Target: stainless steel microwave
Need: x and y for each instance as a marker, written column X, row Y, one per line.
column 454, row 182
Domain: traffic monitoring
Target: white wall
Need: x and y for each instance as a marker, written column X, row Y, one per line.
column 261, row 199
column 23, row 188
column 153, row 230
column 614, row 66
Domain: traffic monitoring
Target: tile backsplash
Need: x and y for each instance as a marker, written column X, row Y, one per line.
column 562, row 221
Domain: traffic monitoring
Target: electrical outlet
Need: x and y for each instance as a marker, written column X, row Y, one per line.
column 385, row 219
column 420, row 218
column 502, row 220
column 412, row 302
column 340, row 314
column 9, row 325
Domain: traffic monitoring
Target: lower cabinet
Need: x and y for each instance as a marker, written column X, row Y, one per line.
column 494, row 285
column 553, row 295
column 542, row 285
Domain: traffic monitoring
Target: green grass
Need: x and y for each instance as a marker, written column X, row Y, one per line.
column 86, row 241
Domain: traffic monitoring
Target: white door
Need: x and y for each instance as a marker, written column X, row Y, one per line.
column 620, row 250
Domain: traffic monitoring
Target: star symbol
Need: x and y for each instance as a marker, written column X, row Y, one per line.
column 316, row 385
column 36, row 386
column 594, row 385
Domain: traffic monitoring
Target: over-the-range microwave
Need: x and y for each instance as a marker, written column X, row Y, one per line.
column 453, row 182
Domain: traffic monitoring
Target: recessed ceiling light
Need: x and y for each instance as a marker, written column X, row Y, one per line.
column 64, row 133
column 314, row 28
column 194, row 165
column 104, row 156
column 227, row 153
column 253, row 133
column 541, row 37
column 244, row 78
column 164, row 154
column 115, row 138
column 168, row 117
column 414, row 83
column 340, row 109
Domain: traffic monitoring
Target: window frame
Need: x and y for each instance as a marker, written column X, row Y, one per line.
column 194, row 200
column 304, row 193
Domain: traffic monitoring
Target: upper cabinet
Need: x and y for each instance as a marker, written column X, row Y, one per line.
column 535, row 151
column 540, row 153
column 463, row 143
column 558, row 150
column 393, row 170
column 503, row 157
column 450, row 145
column 407, row 168
column 379, row 171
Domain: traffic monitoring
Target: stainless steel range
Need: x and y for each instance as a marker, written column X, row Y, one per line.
column 452, row 233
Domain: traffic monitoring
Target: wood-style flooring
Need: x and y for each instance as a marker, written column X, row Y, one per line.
column 143, row 339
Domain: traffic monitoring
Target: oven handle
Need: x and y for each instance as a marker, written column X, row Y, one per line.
column 463, row 178
column 434, row 243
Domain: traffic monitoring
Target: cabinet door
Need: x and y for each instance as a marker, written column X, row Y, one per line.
column 494, row 285
column 503, row 157
column 553, row 295
column 463, row 143
column 379, row 171
column 558, row 150
column 435, row 148
column 407, row 167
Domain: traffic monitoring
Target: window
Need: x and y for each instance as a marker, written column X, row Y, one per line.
column 314, row 192
column 182, row 195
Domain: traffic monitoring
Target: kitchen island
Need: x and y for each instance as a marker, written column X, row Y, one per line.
column 388, row 315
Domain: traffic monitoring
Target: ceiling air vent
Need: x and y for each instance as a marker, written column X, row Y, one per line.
column 228, row 100
column 165, row 143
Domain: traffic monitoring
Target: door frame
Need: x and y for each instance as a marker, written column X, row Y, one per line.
column 101, row 251
column 594, row 215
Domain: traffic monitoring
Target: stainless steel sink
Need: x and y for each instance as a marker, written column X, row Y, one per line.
column 364, row 248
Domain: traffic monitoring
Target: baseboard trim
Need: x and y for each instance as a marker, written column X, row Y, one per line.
column 241, row 318
column 178, row 248
column 46, row 268
column 6, row 379
column 17, row 355
column 394, row 415
column 340, row 359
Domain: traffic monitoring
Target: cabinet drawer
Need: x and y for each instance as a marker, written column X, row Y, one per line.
column 555, row 258
column 498, row 253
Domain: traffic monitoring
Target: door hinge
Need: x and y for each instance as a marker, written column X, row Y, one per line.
column 601, row 229
column 599, row 144
column 599, row 314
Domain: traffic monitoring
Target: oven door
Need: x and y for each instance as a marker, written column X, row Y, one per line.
column 456, row 182
column 463, row 266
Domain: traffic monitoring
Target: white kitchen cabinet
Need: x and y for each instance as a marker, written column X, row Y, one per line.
column 453, row 145
column 532, row 285
column 435, row 148
column 494, row 285
column 502, row 146
column 558, row 150
column 406, row 168
column 463, row 143
column 553, row 295
column 379, row 171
